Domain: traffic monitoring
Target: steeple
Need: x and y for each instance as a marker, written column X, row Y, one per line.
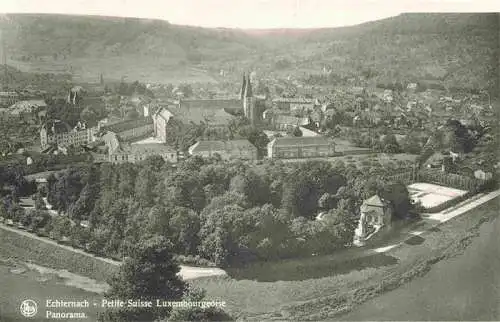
column 248, row 87
column 243, row 87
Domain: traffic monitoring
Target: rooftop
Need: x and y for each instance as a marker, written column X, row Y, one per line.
column 127, row 125
column 148, row 148
column 293, row 100
column 201, row 146
column 302, row 140
column 202, row 115
column 56, row 127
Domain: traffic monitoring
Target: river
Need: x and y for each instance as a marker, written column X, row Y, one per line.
column 464, row 288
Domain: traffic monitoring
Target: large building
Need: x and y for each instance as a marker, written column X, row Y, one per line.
column 59, row 133
column 283, row 122
column 214, row 113
column 131, row 130
column 234, row 149
column 216, row 119
column 300, row 147
column 132, row 153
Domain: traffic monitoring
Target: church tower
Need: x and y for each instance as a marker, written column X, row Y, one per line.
column 248, row 100
column 243, row 87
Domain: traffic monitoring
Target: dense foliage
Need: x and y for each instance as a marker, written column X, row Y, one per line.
column 226, row 213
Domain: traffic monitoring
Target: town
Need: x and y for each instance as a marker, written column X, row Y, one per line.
column 254, row 168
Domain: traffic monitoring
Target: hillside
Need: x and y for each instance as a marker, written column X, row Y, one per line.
column 137, row 48
column 455, row 50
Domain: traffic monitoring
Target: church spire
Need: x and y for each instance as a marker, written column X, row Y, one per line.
column 248, row 87
column 243, row 87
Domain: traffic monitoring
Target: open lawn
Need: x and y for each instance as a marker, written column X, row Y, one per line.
column 114, row 68
column 331, row 295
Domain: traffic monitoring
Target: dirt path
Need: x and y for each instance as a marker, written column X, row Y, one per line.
column 187, row 272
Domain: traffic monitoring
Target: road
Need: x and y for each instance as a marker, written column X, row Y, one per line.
column 187, row 272
column 464, row 288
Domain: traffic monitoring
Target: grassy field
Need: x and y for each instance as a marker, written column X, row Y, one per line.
column 338, row 293
column 114, row 68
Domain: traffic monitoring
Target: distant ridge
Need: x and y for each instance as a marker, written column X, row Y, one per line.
column 453, row 49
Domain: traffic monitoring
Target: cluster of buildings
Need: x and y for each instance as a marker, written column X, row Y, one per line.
column 124, row 139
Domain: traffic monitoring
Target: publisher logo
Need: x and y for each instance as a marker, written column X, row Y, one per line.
column 28, row 308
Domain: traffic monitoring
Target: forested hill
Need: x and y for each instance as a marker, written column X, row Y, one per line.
column 450, row 49
column 64, row 36
column 455, row 50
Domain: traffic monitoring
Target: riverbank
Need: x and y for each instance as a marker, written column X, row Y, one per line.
column 463, row 288
column 340, row 290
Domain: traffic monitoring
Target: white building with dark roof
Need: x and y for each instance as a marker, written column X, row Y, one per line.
column 300, row 147
column 233, row 149
column 132, row 153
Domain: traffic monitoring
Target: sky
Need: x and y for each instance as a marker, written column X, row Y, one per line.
column 250, row 14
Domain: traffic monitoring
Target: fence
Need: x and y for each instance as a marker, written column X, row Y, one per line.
column 450, row 179
column 473, row 186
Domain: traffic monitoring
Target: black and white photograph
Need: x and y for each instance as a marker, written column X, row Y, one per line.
column 249, row 160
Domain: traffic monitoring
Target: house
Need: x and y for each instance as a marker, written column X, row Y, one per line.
column 233, row 149
column 132, row 153
column 411, row 86
column 480, row 174
column 375, row 213
column 300, row 147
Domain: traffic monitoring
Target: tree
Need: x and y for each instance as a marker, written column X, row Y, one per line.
column 197, row 313
column 294, row 132
column 148, row 274
column 186, row 89
column 399, row 197
column 184, row 226
column 40, row 219
column 252, row 186
column 300, row 196
column 390, row 144
column 39, row 202
column 88, row 115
